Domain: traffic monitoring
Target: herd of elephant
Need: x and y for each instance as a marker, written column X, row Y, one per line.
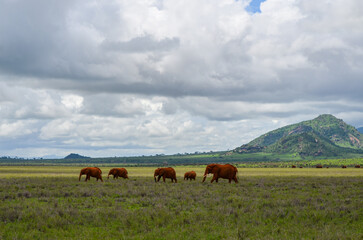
column 226, row 171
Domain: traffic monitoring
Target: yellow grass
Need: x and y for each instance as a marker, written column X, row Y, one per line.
column 71, row 171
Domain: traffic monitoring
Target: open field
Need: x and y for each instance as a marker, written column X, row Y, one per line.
column 267, row 203
column 73, row 172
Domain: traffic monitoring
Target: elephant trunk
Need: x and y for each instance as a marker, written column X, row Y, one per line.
column 79, row 179
column 108, row 176
column 205, row 176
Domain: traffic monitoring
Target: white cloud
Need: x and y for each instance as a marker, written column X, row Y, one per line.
column 72, row 101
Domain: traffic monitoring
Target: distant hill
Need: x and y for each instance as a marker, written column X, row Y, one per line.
column 325, row 136
column 360, row 129
column 75, row 156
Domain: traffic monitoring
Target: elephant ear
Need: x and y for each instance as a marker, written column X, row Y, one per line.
column 215, row 169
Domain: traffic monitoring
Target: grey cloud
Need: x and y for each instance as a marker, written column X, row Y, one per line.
column 142, row 44
column 61, row 59
column 112, row 105
column 29, row 31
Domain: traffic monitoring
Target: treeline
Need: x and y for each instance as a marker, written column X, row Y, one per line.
column 250, row 159
column 179, row 159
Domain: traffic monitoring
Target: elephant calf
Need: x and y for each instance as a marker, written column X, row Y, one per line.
column 190, row 175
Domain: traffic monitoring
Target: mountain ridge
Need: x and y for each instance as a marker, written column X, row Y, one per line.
column 324, row 135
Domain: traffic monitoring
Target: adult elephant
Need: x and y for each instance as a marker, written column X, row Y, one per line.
column 226, row 171
column 118, row 172
column 165, row 173
column 190, row 175
column 91, row 172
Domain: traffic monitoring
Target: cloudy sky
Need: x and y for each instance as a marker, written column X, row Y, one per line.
column 122, row 78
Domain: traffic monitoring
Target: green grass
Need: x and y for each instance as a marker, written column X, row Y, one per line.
column 267, row 203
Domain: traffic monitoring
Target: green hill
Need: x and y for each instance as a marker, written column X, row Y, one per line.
column 325, row 135
column 75, row 156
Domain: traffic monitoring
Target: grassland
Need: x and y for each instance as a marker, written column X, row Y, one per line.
column 268, row 203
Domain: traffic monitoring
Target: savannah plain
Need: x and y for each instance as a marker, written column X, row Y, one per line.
column 48, row 202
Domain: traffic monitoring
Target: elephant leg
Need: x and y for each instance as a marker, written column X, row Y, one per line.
column 159, row 178
column 213, row 179
column 229, row 180
column 163, row 178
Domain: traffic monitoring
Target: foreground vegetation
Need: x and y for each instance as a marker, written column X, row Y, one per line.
column 50, row 203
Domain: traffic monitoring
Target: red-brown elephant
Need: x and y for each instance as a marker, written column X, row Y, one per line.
column 190, row 175
column 226, row 171
column 118, row 172
column 165, row 173
column 91, row 172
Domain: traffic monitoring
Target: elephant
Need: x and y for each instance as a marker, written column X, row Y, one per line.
column 91, row 172
column 226, row 171
column 190, row 175
column 165, row 173
column 118, row 172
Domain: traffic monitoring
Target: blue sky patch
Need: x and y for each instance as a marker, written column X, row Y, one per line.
column 254, row 6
